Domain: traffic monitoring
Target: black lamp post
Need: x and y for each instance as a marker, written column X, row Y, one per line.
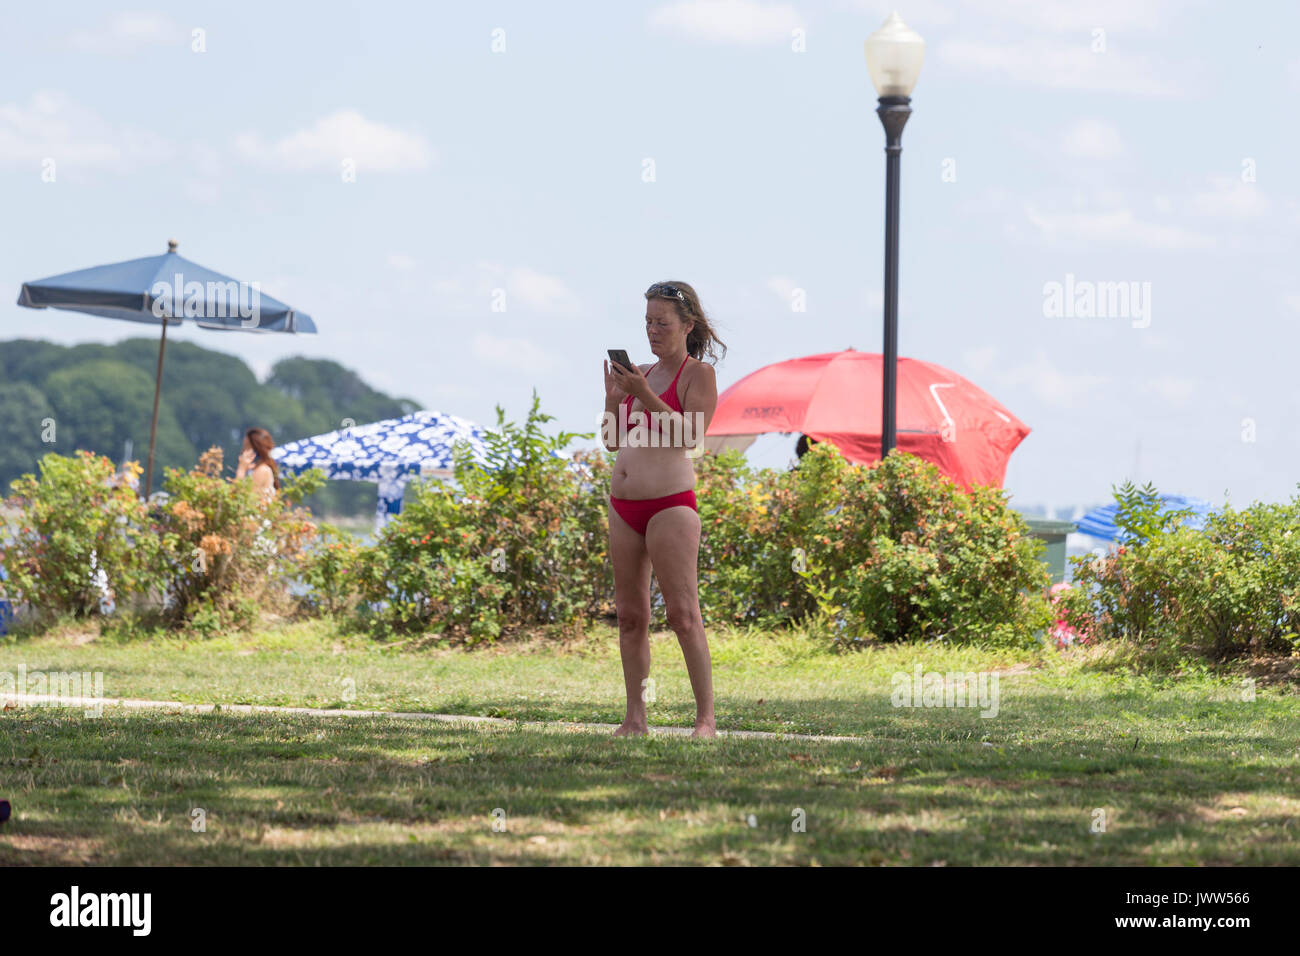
column 894, row 54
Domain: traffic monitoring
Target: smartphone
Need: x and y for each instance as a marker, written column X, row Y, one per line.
column 619, row 356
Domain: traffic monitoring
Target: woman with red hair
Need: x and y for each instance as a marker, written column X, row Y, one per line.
column 256, row 463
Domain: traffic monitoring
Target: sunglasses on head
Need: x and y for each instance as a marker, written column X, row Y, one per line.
column 665, row 288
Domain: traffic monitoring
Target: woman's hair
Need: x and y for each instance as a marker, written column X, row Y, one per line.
column 262, row 444
column 701, row 338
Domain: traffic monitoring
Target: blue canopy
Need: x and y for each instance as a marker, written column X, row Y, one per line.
column 1100, row 522
column 167, row 288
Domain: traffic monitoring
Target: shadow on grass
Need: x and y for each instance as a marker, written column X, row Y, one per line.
column 925, row 789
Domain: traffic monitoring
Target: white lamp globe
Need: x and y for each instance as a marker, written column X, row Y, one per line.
column 894, row 54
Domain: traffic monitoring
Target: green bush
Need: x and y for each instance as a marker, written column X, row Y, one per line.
column 755, row 525
column 895, row 550
column 78, row 527
column 1229, row 589
column 330, row 570
column 427, row 567
column 909, row 555
column 520, row 542
column 1249, row 599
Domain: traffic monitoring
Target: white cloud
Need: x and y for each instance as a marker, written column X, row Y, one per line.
column 1056, row 65
column 447, row 288
column 205, row 174
column 1049, row 383
column 53, row 127
column 1054, row 16
column 203, row 191
column 990, row 200
column 980, row 359
column 542, row 292
column 513, row 353
column 1231, row 198
column 1118, row 226
column 1092, row 139
column 126, row 33
column 919, row 13
column 400, row 261
column 475, row 290
column 782, row 287
column 469, row 291
column 1171, row 388
column 1292, row 300
column 744, row 22
column 1070, row 16
column 344, row 134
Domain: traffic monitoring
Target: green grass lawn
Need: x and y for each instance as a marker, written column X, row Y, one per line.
column 1184, row 770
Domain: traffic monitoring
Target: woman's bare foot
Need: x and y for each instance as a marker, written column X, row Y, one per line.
column 630, row 730
column 704, row 730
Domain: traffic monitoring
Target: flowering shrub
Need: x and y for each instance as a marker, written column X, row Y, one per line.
column 1228, row 589
column 895, row 550
column 217, row 550
column 227, row 549
column 1062, row 632
column 81, row 536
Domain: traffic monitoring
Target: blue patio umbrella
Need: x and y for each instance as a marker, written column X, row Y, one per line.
column 1100, row 522
column 391, row 452
column 164, row 290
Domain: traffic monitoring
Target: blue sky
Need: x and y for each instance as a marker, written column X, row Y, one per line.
column 1112, row 142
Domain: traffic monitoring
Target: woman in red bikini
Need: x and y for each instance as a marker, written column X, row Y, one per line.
column 653, row 520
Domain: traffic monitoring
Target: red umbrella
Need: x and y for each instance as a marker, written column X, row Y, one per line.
column 835, row 397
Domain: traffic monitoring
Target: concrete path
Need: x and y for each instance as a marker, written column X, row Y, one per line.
column 171, row 705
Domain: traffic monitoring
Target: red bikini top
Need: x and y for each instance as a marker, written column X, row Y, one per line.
column 669, row 396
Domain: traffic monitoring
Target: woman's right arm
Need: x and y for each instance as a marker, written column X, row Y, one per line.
column 609, row 424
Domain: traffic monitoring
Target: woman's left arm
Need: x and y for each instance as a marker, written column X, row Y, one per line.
column 699, row 402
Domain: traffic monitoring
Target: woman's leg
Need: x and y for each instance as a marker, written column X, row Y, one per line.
column 673, row 541
column 631, row 563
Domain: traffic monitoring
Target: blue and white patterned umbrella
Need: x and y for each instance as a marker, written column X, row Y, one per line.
column 1100, row 522
column 391, row 452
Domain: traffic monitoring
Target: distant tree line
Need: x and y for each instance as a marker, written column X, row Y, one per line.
column 99, row 397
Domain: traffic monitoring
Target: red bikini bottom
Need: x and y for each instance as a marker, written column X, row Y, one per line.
column 637, row 512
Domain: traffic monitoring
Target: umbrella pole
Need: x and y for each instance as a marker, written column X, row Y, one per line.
column 153, row 426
